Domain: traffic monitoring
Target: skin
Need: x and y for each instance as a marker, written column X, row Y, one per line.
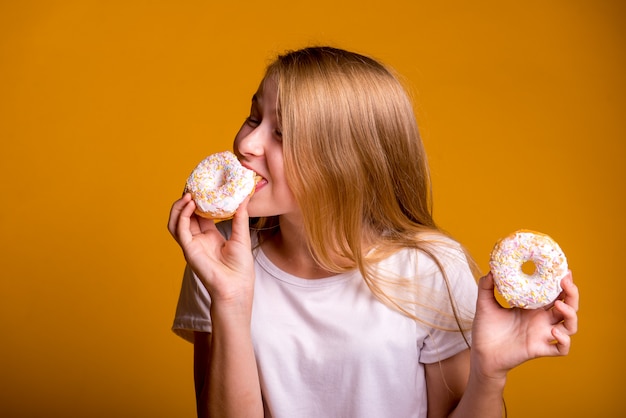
column 469, row 384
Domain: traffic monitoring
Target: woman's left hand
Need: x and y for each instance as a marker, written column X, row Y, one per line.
column 504, row 338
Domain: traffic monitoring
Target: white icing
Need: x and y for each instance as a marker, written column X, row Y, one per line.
column 518, row 288
column 219, row 184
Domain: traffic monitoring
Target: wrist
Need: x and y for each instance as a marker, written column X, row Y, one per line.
column 488, row 382
column 483, row 372
column 233, row 311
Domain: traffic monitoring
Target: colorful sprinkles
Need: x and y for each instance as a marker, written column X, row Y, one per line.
column 520, row 289
column 219, row 184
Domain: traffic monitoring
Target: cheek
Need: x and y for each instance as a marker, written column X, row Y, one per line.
column 278, row 169
column 280, row 179
column 279, row 166
column 286, row 193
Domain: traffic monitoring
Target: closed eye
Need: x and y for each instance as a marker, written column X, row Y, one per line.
column 253, row 122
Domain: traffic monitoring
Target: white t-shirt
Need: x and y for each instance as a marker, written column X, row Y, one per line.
column 329, row 348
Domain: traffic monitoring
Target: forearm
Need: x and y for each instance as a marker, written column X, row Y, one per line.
column 232, row 385
column 483, row 397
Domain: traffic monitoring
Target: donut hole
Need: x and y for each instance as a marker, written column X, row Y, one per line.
column 221, row 179
column 529, row 267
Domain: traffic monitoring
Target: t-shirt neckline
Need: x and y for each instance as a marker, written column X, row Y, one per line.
column 273, row 270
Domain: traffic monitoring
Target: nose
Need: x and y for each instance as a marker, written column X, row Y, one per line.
column 249, row 142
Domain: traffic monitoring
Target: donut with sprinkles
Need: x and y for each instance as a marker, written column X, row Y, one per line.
column 528, row 291
column 219, row 184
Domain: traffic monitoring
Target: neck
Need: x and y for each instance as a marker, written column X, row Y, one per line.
column 288, row 250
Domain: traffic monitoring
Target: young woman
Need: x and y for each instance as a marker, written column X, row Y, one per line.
column 332, row 293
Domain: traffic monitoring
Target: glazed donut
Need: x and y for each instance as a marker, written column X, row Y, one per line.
column 518, row 288
column 219, row 184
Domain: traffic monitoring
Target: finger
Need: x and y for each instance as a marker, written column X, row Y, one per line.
column 185, row 229
column 206, row 225
column 569, row 322
column 177, row 207
column 486, row 284
column 241, row 225
column 486, row 296
column 563, row 342
column 486, row 300
column 570, row 291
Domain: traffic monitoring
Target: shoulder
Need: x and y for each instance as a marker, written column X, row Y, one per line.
column 440, row 244
column 432, row 253
column 443, row 252
column 436, row 264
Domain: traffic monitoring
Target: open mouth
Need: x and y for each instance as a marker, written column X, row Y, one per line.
column 260, row 182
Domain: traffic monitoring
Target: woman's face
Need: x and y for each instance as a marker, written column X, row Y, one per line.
column 259, row 147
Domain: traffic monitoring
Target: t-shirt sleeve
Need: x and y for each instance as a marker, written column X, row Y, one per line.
column 193, row 309
column 446, row 340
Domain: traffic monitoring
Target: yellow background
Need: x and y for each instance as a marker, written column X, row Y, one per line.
column 105, row 107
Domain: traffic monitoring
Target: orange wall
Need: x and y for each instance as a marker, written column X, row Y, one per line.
column 105, row 107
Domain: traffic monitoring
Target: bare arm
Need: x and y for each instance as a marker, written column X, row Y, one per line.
column 454, row 391
column 201, row 363
column 446, row 382
column 225, row 375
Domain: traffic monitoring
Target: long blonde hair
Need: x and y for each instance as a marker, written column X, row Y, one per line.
column 355, row 163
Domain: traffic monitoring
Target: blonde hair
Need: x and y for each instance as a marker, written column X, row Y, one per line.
column 356, row 165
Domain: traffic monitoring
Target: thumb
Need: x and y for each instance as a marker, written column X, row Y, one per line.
column 485, row 283
column 486, row 287
column 240, row 224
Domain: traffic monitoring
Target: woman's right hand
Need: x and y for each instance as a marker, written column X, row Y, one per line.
column 225, row 267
